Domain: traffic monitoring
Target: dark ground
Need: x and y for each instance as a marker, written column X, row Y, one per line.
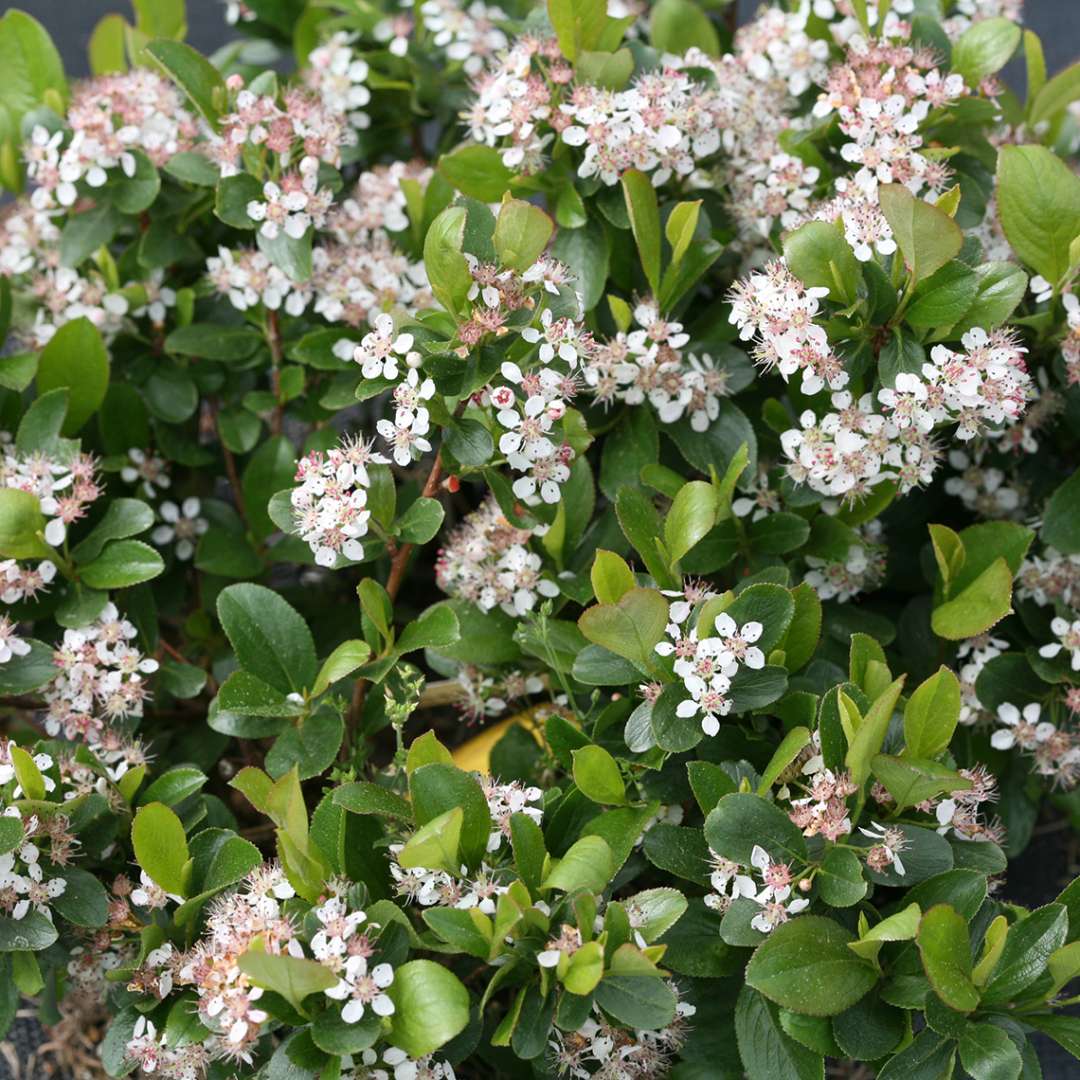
column 1050, row 860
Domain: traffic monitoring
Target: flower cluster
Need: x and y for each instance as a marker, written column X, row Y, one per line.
column 292, row 205
column 1050, row 578
column 248, row 277
column 65, row 489
column 860, row 571
column 99, row 679
column 986, row 384
column 707, row 665
column 1055, row 752
column 599, row 1048
column 110, row 118
column 24, row 886
column 650, row 363
column 330, row 503
column 776, row 310
column 228, row 1002
column 487, row 561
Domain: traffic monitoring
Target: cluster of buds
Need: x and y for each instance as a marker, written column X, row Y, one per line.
column 99, row 679
column 330, row 503
column 487, row 561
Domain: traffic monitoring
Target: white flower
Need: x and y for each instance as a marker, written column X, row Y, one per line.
column 380, row 350
column 1022, row 729
column 182, row 525
column 359, row 988
column 1069, row 640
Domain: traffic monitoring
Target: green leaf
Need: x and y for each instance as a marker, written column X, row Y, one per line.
column 1000, row 286
column 420, row 522
column 121, row 564
column 678, row 25
column 911, row 780
column 194, row 74
column 805, row 966
column 1055, row 95
column 161, row 18
column 437, row 788
column 1028, row 947
column 21, row 525
column 944, row 297
column 435, row 845
column 362, row 797
column 446, row 267
column 840, row 880
column 84, row 901
column 640, row 1001
column 597, row 776
column 630, row 628
column 946, row 955
column 820, row 257
column 611, row 578
column 477, row 171
column 988, row 1053
column 290, row 976
column 522, row 231
column 927, row 237
column 741, row 820
column 680, row 228
column 346, row 658
column 160, row 846
column 270, row 639
column 437, row 628
column 984, row 48
column 789, row 749
column 211, row 342
column 586, row 251
column 310, row 746
column 75, row 358
column 931, row 715
column 644, row 214
column 587, row 865
column 32, row 67
column 1061, row 517
column 578, row 24
column 985, row 602
column 1039, row 206
column 870, row 733
column 174, row 786
column 123, row 518
column 693, row 513
column 431, row 1006
column 27, row 773
column 33, row 931
column 21, row 674
column 766, row 1051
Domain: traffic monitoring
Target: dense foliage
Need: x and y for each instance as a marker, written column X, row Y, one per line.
column 543, row 542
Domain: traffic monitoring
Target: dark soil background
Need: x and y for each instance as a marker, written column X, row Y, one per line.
column 1052, row 858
